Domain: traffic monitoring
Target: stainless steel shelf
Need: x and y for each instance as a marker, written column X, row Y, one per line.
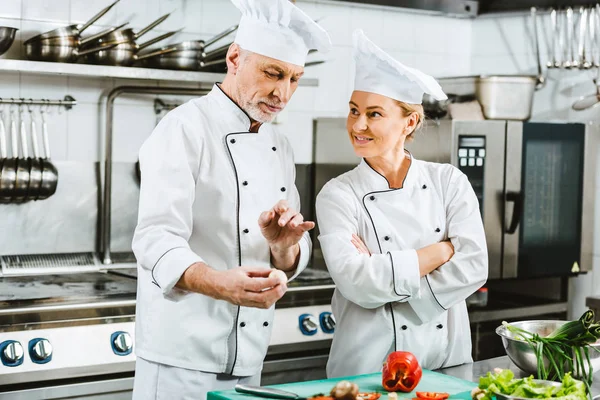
column 101, row 71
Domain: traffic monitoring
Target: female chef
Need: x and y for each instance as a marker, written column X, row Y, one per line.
column 403, row 239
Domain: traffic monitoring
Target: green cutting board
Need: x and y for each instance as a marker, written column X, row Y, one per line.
column 430, row 382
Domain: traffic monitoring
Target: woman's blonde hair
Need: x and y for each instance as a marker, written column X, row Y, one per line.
column 407, row 110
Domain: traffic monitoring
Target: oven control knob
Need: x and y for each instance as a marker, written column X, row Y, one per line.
column 308, row 324
column 122, row 343
column 12, row 353
column 40, row 351
column 327, row 322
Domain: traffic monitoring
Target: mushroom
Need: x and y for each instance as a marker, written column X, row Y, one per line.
column 345, row 390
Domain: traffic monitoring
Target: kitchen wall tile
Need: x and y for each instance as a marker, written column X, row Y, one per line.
column 335, row 19
column 398, row 31
column 10, row 85
column 44, row 10
column 431, row 35
column 457, row 37
column 487, row 38
column 83, row 10
column 134, row 99
column 91, row 91
column 180, row 10
column 11, row 9
column 432, row 64
column 85, row 133
column 133, row 125
column 298, row 129
column 43, row 87
column 334, row 82
column 217, row 15
column 503, row 65
column 14, row 52
column 140, row 13
column 370, row 20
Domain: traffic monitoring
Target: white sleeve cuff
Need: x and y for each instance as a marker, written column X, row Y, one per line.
column 169, row 268
column 405, row 273
column 427, row 306
column 305, row 251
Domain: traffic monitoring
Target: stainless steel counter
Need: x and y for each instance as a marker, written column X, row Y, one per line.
column 472, row 372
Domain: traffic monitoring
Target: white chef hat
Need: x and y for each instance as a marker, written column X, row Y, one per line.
column 377, row 72
column 280, row 30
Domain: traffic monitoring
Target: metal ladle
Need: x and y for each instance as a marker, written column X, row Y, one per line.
column 585, row 102
column 49, row 171
column 35, row 173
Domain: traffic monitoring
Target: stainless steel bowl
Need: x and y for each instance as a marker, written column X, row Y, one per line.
column 523, row 356
column 7, row 37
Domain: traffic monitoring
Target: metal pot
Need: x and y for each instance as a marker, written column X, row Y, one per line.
column 72, row 30
column 23, row 168
column 76, row 41
column 8, row 177
column 35, row 173
column 510, row 97
column 123, row 54
column 7, row 37
column 437, row 109
column 39, row 51
column 128, row 35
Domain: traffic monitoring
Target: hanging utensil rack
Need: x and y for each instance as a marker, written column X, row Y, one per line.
column 68, row 102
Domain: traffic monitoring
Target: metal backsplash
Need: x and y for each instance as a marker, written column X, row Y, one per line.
column 63, row 223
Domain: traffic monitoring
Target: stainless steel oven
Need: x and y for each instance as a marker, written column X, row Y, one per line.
column 535, row 183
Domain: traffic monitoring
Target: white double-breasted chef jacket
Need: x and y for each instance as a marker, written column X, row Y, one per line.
column 380, row 303
column 204, row 182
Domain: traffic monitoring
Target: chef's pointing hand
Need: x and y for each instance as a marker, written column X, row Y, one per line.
column 283, row 228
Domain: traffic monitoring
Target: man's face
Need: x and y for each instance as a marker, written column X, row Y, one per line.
column 264, row 85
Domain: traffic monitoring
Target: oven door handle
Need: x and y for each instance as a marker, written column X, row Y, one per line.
column 517, row 199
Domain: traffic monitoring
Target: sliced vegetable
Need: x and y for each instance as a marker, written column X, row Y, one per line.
column 401, row 372
column 432, row 395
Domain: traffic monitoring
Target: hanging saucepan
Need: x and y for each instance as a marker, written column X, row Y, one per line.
column 23, row 167
column 35, row 173
column 39, row 51
column 3, row 151
column 127, row 35
column 8, row 177
column 123, row 54
column 72, row 30
column 49, row 171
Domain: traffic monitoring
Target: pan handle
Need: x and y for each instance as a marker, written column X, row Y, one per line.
column 23, row 132
column 153, row 25
column 101, row 34
column 96, row 49
column 220, row 36
column 158, row 39
column 96, row 17
column 3, row 151
column 213, row 62
column 156, row 53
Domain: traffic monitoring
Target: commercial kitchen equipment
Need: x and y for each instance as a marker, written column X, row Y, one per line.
column 7, row 37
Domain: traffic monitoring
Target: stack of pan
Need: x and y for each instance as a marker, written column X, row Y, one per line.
column 121, row 47
column 65, row 44
column 190, row 55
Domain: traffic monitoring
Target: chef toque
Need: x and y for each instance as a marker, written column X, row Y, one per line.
column 280, row 30
column 377, row 72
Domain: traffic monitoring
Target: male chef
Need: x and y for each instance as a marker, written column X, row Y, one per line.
column 218, row 213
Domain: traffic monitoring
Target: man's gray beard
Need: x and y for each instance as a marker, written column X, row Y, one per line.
column 257, row 114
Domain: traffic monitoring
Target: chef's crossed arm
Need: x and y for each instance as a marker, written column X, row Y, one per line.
column 467, row 270
column 369, row 280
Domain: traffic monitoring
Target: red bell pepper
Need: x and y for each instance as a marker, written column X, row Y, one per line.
column 432, row 395
column 401, row 372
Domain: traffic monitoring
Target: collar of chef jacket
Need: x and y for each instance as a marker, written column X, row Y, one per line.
column 375, row 182
column 230, row 109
